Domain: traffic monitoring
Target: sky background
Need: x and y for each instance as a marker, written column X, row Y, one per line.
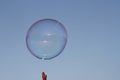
column 92, row 51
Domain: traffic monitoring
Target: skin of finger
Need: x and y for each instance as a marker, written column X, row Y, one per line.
column 44, row 76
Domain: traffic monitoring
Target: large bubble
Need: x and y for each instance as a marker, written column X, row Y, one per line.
column 46, row 38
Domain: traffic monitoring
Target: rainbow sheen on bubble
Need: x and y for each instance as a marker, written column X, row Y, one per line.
column 46, row 39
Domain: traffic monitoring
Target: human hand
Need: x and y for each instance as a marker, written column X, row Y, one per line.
column 44, row 76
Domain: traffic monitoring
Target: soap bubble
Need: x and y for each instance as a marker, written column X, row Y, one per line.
column 46, row 39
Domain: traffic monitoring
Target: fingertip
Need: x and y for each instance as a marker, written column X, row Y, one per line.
column 43, row 72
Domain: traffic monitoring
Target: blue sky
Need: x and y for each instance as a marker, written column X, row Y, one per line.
column 92, row 51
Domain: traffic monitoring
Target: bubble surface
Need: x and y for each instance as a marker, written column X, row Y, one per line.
column 46, row 39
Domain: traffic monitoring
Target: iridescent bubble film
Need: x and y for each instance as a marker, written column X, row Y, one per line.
column 46, row 39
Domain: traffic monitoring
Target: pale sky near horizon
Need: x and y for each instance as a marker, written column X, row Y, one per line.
column 92, row 51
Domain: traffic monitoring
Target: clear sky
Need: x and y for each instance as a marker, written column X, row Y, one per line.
column 93, row 47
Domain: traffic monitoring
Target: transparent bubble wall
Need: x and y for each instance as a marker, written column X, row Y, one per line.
column 46, row 39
